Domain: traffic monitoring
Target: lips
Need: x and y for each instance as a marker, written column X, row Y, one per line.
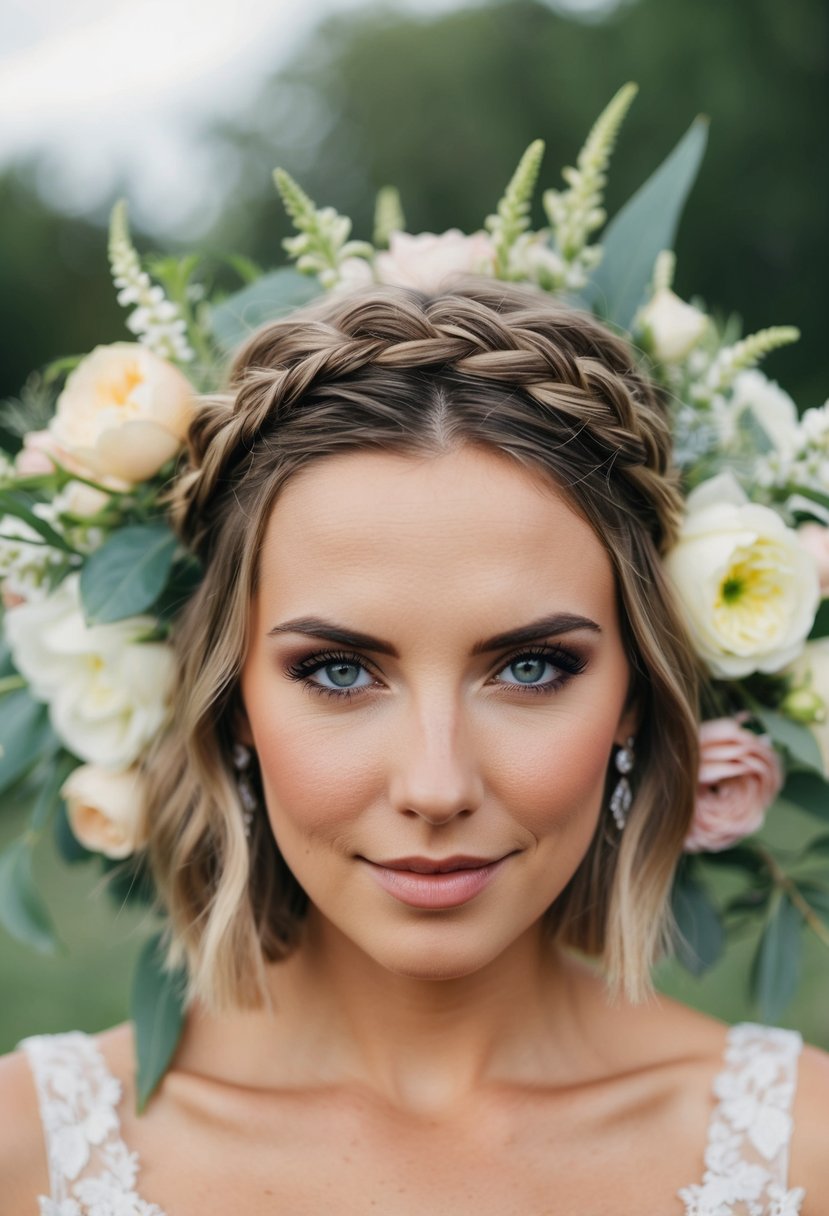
column 426, row 865
column 436, row 883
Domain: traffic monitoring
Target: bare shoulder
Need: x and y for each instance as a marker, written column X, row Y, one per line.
column 23, row 1165
column 809, row 1165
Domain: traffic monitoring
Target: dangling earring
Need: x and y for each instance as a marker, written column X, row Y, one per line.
column 622, row 796
column 242, row 757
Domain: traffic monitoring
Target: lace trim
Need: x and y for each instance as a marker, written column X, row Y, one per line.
column 747, row 1156
column 91, row 1170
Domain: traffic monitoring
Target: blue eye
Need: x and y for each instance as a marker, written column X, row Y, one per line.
column 340, row 672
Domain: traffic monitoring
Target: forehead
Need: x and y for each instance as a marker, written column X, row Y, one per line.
column 462, row 531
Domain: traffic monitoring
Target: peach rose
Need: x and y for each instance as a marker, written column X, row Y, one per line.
column 105, row 808
column 124, row 412
column 425, row 260
column 815, row 538
column 739, row 778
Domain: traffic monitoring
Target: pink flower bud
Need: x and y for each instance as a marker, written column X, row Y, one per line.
column 740, row 776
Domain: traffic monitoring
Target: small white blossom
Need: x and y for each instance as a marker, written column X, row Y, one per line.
column 156, row 321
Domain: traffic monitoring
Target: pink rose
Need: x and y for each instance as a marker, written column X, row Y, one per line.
column 425, row 260
column 38, row 455
column 740, row 776
column 815, row 538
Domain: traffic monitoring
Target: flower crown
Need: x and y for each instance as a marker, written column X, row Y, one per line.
column 93, row 576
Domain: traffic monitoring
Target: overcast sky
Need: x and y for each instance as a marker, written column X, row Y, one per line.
column 103, row 87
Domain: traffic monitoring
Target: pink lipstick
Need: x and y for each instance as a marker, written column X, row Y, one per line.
column 421, row 882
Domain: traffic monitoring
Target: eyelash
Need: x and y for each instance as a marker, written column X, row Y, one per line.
column 568, row 663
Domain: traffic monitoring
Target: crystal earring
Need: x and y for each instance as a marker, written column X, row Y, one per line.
column 622, row 796
column 242, row 757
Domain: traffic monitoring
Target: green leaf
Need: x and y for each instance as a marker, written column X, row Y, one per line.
column 67, row 844
column 270, row 297
column 645, row 226
column 127, row 574
column 776, row 966
column 26, row 735
column 820, row 626
column 23, row 913
column 157, row 1010
column 20, row 505
column 797, row 739
column 817, row 897
column 702, row 938
column 808, row 791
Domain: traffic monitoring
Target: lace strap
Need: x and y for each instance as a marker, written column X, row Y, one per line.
column 90, row 1168
column 747, row 1156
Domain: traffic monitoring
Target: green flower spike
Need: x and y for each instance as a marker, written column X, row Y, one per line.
column 512, row 214
column 577, row 212
column 747, row 353
column 388, row 216
column 322, row 245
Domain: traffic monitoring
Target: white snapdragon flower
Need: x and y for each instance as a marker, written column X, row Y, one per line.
column 107, row 693
column 748, row 588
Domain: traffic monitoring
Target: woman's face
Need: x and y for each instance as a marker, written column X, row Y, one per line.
column 431, row 739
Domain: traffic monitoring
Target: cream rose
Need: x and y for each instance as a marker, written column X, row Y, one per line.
column 105, row 809
column 748, row 588
column 672, row 327
column 740, row 776
column 107, row 693
column 426, row 260
column 123, row 413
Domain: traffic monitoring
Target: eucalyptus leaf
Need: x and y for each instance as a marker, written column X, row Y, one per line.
column 817, row 897
column 26, row 735
column 23, row 913
column 797, row 739
column 776, row 966
column 645, row 226
column 157, row 1010
column 702, row 937
column 127, row 574
column 271, row 296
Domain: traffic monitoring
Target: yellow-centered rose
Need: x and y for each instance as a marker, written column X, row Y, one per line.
column 748, row 588
column 123, row 413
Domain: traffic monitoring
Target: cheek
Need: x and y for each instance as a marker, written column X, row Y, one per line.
column 316, row 777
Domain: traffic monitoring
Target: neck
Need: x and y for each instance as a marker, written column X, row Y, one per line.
column 339, row 1018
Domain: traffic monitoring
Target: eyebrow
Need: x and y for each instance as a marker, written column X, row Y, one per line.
column 546, row 626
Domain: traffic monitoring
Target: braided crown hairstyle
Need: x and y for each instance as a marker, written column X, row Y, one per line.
column 495, row 365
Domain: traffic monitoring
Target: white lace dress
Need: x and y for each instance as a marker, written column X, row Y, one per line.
column 93, row 1173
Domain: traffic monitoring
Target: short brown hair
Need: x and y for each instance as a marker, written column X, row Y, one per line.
column 496, row 365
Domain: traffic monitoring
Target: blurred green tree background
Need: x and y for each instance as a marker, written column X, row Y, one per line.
column 443, row 107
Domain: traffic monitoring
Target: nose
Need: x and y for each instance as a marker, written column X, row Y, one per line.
column 435, row 770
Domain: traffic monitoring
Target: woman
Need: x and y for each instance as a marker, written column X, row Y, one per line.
column 431, row 766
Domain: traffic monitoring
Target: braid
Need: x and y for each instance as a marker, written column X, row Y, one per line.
column 571, row 367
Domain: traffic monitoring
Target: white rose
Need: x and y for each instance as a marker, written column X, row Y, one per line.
column 671, row 326
column 748, row 588
column 812, row 666
column 107, row 693
column 105, row 809
column 771, row 406
column 124, row 412
column 425, row 260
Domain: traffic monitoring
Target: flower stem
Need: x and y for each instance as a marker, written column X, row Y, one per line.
column 795, row 896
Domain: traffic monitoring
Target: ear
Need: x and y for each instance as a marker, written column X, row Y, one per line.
column 629, row 723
